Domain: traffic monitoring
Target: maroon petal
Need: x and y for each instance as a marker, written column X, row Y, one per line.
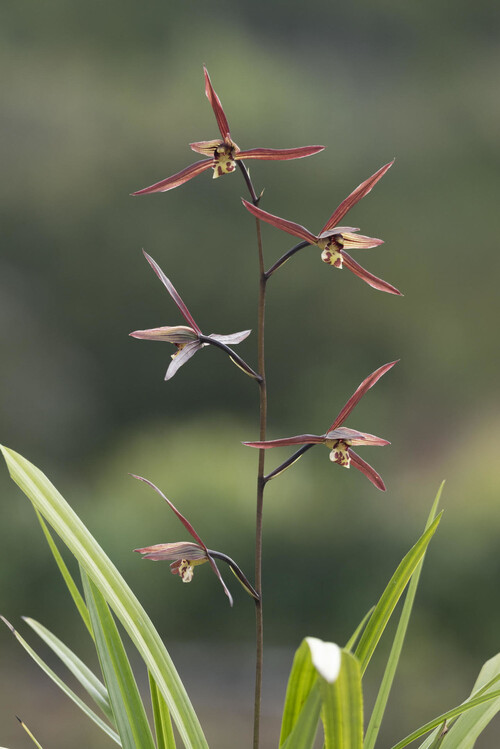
column 301, row 439
column 172, row 291
column 353, row 437
column 176, row 334
column 183, row 356
column 187, row 525
column 279, row 154
column 205, row 147
column 353, row 241
column 370, row 473
column 216, row 106
column 368, row 383
column 356, row 195
column 175, row 551
column 177, row 179
column 289, row 226
column 369, row 278
column 232, row 338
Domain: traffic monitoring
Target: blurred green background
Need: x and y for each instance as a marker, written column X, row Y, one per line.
column 100, row 99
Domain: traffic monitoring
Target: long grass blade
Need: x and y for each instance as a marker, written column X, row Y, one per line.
column 89, row 681
column 342, row 711
column 465, row 731
column 392, row 663
column 305, row 728
column 163, row 725
column 56, row 511
column 302, row 678
column 455, row 712
column 70, row 583
column 64, row 687
column 390, row 597
column 357, row 632
column 126, row 703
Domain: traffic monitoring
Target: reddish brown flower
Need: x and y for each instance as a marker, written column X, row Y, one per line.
column 334, row 240
column 224, row 153
column 189, row 338
column 337, row 438
column 186, row 555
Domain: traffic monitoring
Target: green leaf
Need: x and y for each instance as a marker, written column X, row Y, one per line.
column 302, row 678
column 352, row 640
column 305, row 728
column 464, row 732
column 60, row 683
column 115, row 590
column 455, row 712
column 392, row 663
column 94, row 688
column 163, row 725
column 75, row 593
column 390, row 597
column 342, row 711
column 130, row 717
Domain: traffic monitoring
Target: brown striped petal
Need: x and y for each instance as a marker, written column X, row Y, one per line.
column 216, row 106
column 368, row 383
column 361, row 190
column 353, row 437
column 279, row 154
column 289, row 226
column 370, row 473
column 369, row 278
column 173, row 292
column 177, row 179
column 301, row 439
column 175, row 551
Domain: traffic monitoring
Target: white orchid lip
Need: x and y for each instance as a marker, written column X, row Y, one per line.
column 326, row 658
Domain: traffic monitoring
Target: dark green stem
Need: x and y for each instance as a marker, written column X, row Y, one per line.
column 236, row 570
column 291, row 460
column 259, row 658
column 241, row 363
column 285, row 257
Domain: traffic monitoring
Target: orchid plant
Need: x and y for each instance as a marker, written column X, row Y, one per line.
column 326, row 681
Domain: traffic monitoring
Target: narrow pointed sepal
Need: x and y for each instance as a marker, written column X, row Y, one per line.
column 367, row 277
column 176, row 179
column 367, row 383
column 301, row 439
column 356, row 195
column 279, row 154
column 365, row 468
column 173, row 293
column 280, row 223
column 216, row 105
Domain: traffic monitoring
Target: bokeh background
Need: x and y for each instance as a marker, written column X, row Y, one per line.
column 100, row 99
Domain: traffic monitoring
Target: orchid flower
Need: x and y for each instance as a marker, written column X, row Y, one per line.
column 333, row 240
column 224, row 153
column 189, row 338
column 337, row 438
column 186, row 555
